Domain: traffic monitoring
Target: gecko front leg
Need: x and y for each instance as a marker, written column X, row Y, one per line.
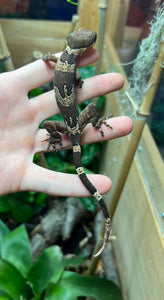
column 50, row 57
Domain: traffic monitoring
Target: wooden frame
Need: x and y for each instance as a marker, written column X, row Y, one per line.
column 25, row 36
column 137, row 223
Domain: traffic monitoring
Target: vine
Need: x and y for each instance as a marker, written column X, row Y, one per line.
column 72, row 2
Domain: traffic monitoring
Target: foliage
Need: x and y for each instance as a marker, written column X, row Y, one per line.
column 34, row 93
column 22, row 279
column 22, row 206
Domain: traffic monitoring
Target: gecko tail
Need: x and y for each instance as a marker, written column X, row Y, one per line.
column 107, row 218
column 102, row 206
column 83, row 177
column 106, row 237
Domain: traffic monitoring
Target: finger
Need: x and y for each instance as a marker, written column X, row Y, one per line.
column 121, row 126
column 95, row 86
column 100, row 85
column 61, row 184
column 39, row 72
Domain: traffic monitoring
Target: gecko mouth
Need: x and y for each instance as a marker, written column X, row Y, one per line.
column 85, row 50
column 92, row 44
column 94, row 41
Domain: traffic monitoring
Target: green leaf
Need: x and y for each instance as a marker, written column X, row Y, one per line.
column 20, row 209
column 35, row 92
column 89, row 203
column 15, row 248
column 56, row 163
column 5, row 298
column 91, row 286
column 18, row 206
column 11, row 280
column 21, row 213
column 86, row 72
column 31, row 196
column 75, row 262
column 100, row 102
column 57, row 292
column 89, row 153
column 3, row 231
column 47, row 267
column 4, row 205
column 41, row 199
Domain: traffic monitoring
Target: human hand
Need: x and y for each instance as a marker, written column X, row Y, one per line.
column 21, row 137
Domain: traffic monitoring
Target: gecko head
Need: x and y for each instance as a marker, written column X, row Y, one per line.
column 82, row 38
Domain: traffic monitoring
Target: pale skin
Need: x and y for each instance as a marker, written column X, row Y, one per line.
column 21, row 137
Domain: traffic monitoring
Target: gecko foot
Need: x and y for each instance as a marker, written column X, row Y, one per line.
column 103, row 120
column 49, row 57
column 53, row 143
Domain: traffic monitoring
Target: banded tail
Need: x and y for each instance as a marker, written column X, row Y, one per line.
column 95, row 194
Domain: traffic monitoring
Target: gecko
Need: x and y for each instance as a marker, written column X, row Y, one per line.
column 65, row 80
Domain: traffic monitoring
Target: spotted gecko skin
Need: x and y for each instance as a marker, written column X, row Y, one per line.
column 65, row 81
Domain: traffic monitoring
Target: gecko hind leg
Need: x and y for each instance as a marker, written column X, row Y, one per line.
column 90, row 115
column 54, row 129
